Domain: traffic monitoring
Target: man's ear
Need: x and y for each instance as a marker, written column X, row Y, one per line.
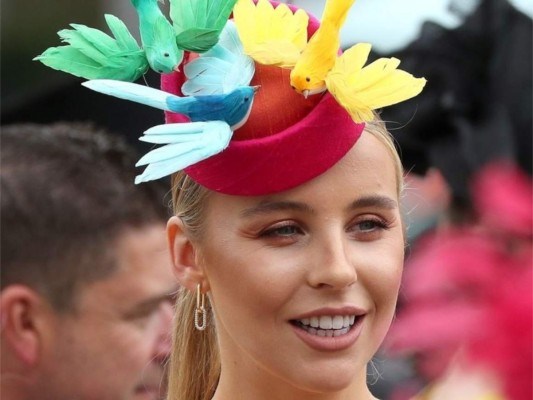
column 22, row 310
column 184, row 257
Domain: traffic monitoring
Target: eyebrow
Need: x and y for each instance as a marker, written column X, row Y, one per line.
column 150, row 303
column 374, row 201
column 266, row 207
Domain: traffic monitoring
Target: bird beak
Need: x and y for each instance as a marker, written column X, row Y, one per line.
column 306, row 93
column 256, row 88
column 176, row 68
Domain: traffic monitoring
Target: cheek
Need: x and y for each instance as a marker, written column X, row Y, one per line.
column 261, row 281
column 382, row 279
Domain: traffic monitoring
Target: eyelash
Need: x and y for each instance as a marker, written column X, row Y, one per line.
column 378, row 223
column 277, row 231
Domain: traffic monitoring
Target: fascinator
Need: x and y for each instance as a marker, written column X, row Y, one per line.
column 255, row 104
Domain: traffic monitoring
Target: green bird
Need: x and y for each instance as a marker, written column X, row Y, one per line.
column 158, row 37
column 198, row 23
column 92, row 54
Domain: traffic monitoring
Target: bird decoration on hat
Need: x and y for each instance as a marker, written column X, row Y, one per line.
column 92, row 54
column 220, row 63
column 318, row 68
column 271, row 36
column 219, row 102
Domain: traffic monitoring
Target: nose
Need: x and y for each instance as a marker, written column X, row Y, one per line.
column 332, row 265
column 164, row 340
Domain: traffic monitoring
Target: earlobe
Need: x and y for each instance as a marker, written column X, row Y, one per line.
column 20, row 306
column 183, row 255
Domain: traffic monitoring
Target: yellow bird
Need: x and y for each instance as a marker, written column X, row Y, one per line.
column 271, row 36
column 318, row 58
column 278, row 37
column 362, row 89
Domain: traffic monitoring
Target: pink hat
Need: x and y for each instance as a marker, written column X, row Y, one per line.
column 286, row 141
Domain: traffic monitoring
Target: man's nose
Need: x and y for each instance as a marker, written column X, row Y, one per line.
column 164, row 341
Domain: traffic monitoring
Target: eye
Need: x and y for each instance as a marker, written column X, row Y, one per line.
column 307, row 79
column 283, row 230
column 293, row 87
column 368, row 228
column 370, row 225
column 160, row 71
column 246, row 99
column 166, row 55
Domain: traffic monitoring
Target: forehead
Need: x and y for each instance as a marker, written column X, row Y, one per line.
column 367, row 169
column 143, row 267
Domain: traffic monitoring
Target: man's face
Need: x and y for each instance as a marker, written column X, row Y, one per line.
column 115, row 345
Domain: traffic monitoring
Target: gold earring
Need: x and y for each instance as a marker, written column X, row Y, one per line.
column 199, row 312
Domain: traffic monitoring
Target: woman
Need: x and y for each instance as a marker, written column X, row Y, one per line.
column 287, row 237
column 273, row 265
column 291, row 259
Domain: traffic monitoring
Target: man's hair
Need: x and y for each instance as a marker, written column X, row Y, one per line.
column 67, row 193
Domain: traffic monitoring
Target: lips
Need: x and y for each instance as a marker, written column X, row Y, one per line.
column 329, row 329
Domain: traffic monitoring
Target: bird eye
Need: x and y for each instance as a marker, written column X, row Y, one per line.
column 166, row 55
column 246, row 99
column 307, row 79
column 160, row 71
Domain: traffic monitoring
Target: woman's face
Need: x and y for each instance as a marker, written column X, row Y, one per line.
column 304, row 283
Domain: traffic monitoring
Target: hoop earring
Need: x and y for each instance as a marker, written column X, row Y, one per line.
column 199, row 312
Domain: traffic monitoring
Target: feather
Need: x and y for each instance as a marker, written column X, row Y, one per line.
column 319, row 56
column 124, row 38
column 362, row 89
column 132, row 92
column 158, row 37
column 271, row 36
column 92, row 54
column 220, row 70
column 197, row 39
column 189, row 144
column 335, row 12
column 198, row 23
column 77, row 38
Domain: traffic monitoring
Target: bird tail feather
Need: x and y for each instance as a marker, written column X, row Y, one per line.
column 131, row 91
column 186, row 144
column 336, row 11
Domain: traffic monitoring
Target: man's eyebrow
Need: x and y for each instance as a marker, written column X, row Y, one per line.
column 374, row 201
column 152, row 302
column 266, row 207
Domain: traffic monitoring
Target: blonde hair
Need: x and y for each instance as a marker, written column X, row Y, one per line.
column 194, row 368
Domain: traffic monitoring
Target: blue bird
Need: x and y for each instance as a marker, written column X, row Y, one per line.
column 219, row 102
column 213, row 120
column 232, row 108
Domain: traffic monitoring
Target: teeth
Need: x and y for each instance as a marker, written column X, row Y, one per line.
column 338, row 322
column 328, row 322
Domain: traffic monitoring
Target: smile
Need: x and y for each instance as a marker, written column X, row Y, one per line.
column 327, row 325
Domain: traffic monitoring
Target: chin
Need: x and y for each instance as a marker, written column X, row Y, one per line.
column 329, row 379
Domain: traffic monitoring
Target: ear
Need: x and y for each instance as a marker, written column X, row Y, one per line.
column 184, row 257
column 22, row 310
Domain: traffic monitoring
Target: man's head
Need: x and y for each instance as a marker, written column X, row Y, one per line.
column 85, row 284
